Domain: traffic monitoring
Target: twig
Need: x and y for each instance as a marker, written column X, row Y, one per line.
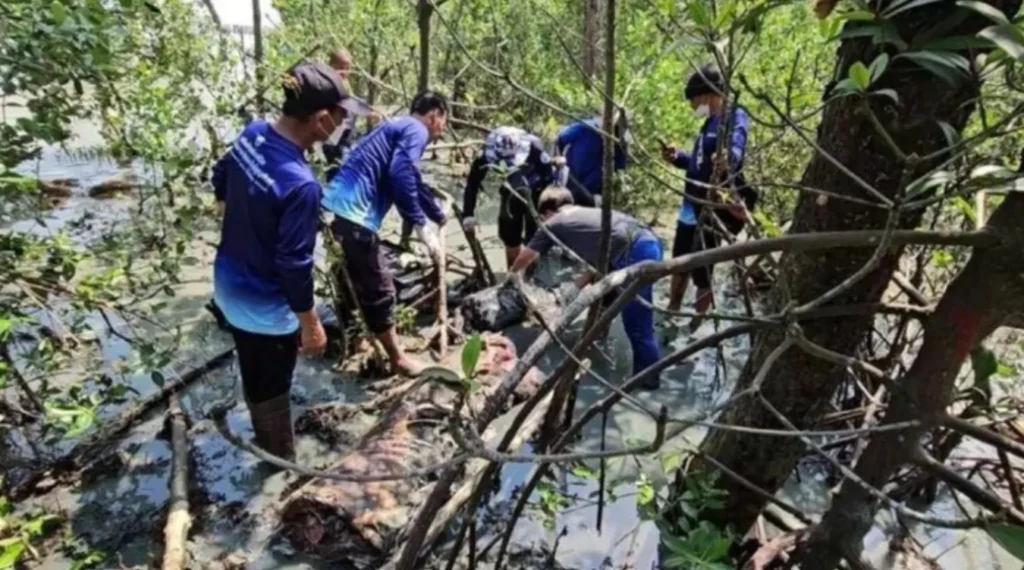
column 178, row 518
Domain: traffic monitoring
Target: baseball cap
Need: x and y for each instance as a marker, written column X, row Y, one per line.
column 312, row 86
column 706, row 80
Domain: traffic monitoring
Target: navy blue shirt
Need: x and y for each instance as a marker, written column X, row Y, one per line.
column 263, row 273
column 699, row 165
column 382, row 170
column 586, row 154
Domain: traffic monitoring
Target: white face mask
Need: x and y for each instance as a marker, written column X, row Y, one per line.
column 702, row 111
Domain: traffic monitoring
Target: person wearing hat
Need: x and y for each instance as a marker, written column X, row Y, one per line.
column 382, row 171
column 705, row 90
column 263, row 272
column 632, row 242
column 582, row 147
column 528, row 169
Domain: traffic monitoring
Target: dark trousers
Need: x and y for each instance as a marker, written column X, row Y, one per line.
column 373, row 282
column 267, row 364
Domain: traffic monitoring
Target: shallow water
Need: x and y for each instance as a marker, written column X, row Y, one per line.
column 122, row 510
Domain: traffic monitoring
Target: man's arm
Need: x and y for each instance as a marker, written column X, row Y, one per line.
column 406, row 180
column 568, row 136
column 525, row 259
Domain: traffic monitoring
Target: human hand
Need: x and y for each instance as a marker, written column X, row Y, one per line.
column 428, row 235
column 469, row 224
column 668, row 153
column 597, row 200
column 313, row 337
column 738, row 211
column 558, row 161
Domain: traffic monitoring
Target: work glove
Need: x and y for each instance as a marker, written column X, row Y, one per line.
column 597, row 200
column 469, row 224
column 428, row 235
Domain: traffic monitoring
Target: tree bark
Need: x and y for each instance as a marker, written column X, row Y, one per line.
column 424, row 10
column 591, row 36
column 178, row 518
column 799, row 385
column 257, row 31
column 990, row 288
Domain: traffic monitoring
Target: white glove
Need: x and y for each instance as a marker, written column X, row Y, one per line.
column 469, row 224
column 597, row 200
column 428, row 235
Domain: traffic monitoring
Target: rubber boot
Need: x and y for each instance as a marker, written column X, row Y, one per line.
column 272, row 425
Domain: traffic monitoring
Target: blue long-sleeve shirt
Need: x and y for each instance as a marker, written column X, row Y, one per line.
column 382, row 171
column 586, row 154
column 699, row 165
column 263, row 273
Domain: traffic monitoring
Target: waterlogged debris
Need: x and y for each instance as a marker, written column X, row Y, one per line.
column 502, row 306
column 112, row 188
column 360, row 522
column 55, row 189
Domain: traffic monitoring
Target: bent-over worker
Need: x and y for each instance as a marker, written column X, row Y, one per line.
column 530, row 171
column 263, row 273
column 382, row 171
column 579, row 229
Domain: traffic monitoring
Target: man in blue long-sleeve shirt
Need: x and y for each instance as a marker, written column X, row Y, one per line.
column 704, row 169
column 383, row 171
column 582, row 146
column 263, row 273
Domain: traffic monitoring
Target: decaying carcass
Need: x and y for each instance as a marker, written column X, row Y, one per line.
column 359, row 522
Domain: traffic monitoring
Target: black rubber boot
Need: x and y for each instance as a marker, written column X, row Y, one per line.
column 272, row 425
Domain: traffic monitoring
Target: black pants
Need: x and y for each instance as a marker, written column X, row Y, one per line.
column 371, row 278
column 689, row 240
column 516, row 224
column 267, row 363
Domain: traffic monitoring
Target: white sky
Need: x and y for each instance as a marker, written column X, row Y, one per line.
column 239, row 12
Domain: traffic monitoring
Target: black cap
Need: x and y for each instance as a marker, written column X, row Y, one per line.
column 311, row 87
column 706, row 80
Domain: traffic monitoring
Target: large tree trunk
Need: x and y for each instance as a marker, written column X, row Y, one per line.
column 988, row 291
column 800, row 385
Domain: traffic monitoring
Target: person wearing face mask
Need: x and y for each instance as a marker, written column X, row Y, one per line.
column 263, row 272
column 582, row 147
column 704, row 168
column 382, row 171
column 529, row 170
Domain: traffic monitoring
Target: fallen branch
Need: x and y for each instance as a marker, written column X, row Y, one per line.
column 984, row 435
column 178, row 518
column 91, row 448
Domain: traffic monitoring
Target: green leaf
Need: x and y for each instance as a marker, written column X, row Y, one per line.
column 858, row 16
column 859, row 74
column 951, row 134
column 36, row 526
column 899, row 7
column 699, row 12
column 1010, row 537
column 878, row 67
column 471, row 355
column 984, row 363
column 956, row 43
column 948, row 66
column 1008, row 38
column 987, row 10
column 890, row 93
column 10, row 555
column 584, row 472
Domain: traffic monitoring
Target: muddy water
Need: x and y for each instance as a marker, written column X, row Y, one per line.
column 120, row 507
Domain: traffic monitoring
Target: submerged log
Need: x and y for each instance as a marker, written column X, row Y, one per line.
column 360, row 523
